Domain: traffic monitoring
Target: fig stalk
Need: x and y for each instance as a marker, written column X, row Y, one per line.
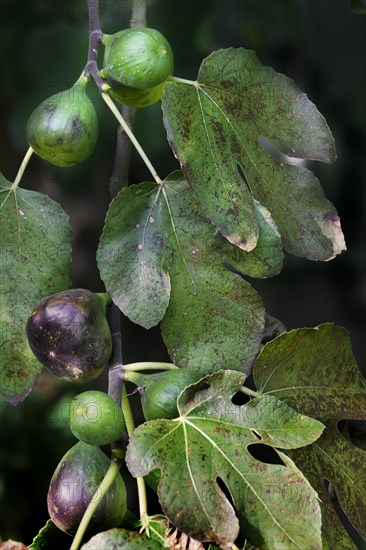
column 99, row 494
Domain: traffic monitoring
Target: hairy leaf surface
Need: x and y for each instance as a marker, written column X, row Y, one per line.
column 217, row 127
column 35, row 262
column 275, row 506
column 315, row 372
column 162, row 259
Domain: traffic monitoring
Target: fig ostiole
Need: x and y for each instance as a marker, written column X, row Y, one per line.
column 74, row 484
column 160, row 391
column 95, row 418
column 64, row 128
column 68, row 332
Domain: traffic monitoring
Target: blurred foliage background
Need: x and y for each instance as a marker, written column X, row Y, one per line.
column 320, row 44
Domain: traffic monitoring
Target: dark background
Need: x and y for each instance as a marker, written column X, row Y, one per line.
column 43, row 45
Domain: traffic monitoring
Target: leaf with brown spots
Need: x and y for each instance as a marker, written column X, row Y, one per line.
column 221, row 129
column 314, row 371
column 211, row 485
column 35, row 262
column 162, row 259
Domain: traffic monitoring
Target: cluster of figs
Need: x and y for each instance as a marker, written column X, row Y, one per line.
column 69, row 334
column 64, row 128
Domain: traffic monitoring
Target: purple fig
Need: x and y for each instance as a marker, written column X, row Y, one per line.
column 73, row 485
column 69, row 334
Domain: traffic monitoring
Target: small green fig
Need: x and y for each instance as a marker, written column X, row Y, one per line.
column 159, row 392
column 64, row 129
column 135, row 97
column 69, row 334
column 73, row 485
column 96, row 418
column 138, row 58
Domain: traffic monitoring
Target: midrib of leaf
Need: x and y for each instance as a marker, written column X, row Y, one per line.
column 186, row 445
column 280, row 364
column 176, row 237
column 215, row 446
column 277, row 198
column 242, row 144
column 144, row 231
column 209, row 142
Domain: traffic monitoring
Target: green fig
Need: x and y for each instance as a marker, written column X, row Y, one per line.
column 69, row 334
column 96, row 418
column 159, row 392
column 64, row 129
column 135, row 97
column 138, row 58
column 73, row 485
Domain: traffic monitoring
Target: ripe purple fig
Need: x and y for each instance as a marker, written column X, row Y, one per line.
column 69, row 334
column 73, row 485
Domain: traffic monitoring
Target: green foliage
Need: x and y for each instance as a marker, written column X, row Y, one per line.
column 177, row 252
column 314, row 371
column 210, row 440
column 36, row 241
column 161, row 259
column 215, row 126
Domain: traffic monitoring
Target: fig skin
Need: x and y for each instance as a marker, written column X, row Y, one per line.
column 135, row 97
column 69, row 334
column 160, row 392
column 96, row 418
column 73, row 484
column 138, row 58
column 64, row 128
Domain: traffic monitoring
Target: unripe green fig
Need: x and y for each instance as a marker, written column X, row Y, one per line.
column 64, row 128
column 73, row 485
column 159, row 392
column 69, row 334
column 96, row 418
column 138, row 58
column 135, row 97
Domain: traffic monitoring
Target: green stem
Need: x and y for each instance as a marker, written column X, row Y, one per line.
column 250, row 392
column 22, row 168
column 135, row 378
column 183, row 81
column 108, row 100
column 95, row 501
column 149, row 365
column 130, row 426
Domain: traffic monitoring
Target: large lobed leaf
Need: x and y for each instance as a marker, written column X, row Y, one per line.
column 217, row 126
column 35, row 262
column 275, row 506
column 315, row 372
column 162, row 259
